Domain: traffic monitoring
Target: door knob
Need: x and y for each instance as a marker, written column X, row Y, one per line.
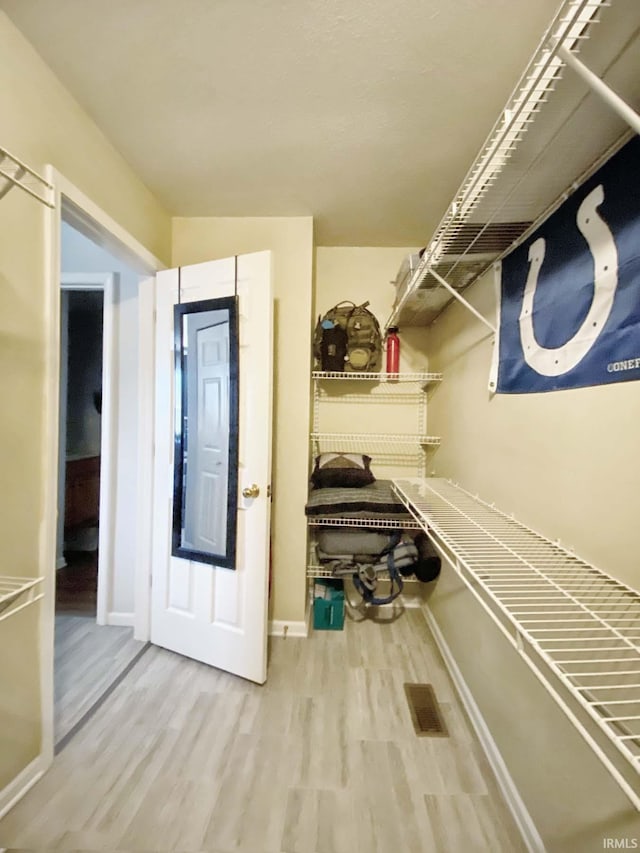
column 251, row 491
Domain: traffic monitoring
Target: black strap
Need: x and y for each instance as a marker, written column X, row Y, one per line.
column 397, row 585
column 394, row 540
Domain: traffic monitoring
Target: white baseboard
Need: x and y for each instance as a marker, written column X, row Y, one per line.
column 123, row 620
column 25, row 780
column 283, row 628
column 510, row 793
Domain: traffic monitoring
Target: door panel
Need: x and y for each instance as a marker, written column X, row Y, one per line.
column 213, row 614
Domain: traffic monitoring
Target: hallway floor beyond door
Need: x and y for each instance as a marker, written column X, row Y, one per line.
column 321, row 759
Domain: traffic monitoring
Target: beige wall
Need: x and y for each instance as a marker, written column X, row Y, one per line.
column 565, row 464
column 291, row 241
column 40, row 124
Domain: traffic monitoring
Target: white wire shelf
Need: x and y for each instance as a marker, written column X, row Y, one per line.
column 374, row 393
column 18, row 593
column 319, row 571
column 15, row 173
column 576, row 627
column 378, row 523
column 416, row 378
column 373, row 443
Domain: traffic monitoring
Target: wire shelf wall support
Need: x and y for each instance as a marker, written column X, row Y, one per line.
column 461, row 299
column 15, row 173
column 18, row 593
column 607, row 94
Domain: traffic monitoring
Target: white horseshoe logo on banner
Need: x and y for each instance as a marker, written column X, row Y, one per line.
column 554, row 362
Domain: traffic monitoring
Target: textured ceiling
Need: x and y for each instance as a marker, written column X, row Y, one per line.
column 364, row 115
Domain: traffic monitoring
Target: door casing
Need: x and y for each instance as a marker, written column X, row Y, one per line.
column 88, row 218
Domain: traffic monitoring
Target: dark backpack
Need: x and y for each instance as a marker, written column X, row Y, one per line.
column 348, row 338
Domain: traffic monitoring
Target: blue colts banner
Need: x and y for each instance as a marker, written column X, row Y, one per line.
column 570, row 294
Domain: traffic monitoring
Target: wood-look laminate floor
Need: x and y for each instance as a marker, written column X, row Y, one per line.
column 88, row 658
column 321, row 759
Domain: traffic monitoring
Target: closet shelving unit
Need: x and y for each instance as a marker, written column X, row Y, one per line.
column 401, row 450
column 576, row 627
column 18, row 593
column 15, row 173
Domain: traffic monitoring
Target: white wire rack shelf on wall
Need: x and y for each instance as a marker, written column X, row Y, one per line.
column 15, row 173
column 398, row 444
column 576, row 627
column 422, row 379
column 383, row 523
column 18, row 593
column 319, row 571
column 555, row 129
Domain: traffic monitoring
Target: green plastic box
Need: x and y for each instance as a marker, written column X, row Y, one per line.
column 328, row 606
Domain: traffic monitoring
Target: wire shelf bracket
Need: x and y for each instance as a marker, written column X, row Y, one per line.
column 576, row 627
column 15, row 173
column 607, row 94
column 18, row 593
column 461, row 299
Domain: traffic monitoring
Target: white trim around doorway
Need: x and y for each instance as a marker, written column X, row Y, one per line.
column 146, row 426
column 94, row 222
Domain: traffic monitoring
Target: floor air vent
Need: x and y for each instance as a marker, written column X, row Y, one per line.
column 425, row 712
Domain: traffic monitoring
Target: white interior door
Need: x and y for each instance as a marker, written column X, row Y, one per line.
column 213, row 614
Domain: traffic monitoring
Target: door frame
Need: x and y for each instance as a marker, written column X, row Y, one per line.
column 106, row 283
column 92, row 221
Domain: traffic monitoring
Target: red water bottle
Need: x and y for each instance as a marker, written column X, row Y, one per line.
column 393, row 350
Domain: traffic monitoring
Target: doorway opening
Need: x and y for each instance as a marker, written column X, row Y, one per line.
column 81, row 372
column 97, row 457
